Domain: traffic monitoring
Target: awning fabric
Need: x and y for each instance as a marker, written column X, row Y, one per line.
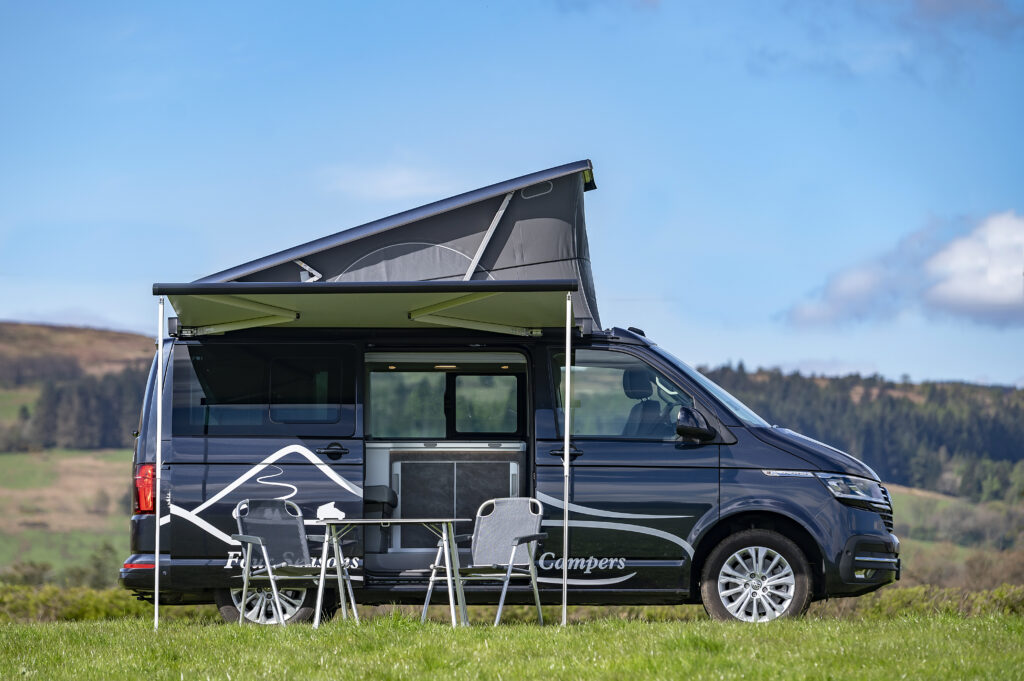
column 512, row 307
column 531, row 228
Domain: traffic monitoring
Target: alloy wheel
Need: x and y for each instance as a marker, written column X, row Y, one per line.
column 259, row 603
column 756, row 584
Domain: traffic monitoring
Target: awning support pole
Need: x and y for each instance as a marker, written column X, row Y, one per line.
column 487, row 238
column 159, row 458
column 566, row 412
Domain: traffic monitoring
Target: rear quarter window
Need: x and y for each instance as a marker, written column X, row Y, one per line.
column 263, row 389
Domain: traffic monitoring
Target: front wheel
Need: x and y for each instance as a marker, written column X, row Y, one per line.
column 297, row 605
column 756, row 576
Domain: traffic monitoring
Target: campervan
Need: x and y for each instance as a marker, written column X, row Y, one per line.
column 416, row 366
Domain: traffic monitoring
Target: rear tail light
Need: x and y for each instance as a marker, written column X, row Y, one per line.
column 145, row 479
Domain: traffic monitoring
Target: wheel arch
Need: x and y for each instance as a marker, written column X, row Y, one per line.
column 763, row 520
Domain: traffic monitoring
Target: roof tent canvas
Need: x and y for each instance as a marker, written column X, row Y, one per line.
column 531, row 228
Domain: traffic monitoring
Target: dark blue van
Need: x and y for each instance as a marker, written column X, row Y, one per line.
column 410, row 368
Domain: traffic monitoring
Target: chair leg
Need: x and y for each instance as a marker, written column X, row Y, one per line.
column 245, row 583
column 430, row 585
column 504, row 587
column 536, row 593
column 278, row 610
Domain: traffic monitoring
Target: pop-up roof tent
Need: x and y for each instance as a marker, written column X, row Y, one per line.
column 509, row 258
column 530, row 230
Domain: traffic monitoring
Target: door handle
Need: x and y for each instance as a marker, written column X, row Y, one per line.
column 333, row 451
column 573, row 452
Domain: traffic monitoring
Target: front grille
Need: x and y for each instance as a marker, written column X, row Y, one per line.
column 887, row 513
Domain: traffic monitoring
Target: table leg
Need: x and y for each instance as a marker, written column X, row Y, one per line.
column 323, row 579
column 446, row 545
column 456, row 565
column 338, row 558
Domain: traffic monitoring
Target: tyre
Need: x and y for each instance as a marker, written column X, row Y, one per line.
column 298, row 604
column 756, row 576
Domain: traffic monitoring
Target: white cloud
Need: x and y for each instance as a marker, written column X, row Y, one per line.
column 978, row 275
column 981, row 275
column 388, row 183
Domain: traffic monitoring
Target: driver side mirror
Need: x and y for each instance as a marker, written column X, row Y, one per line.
column 690, row 423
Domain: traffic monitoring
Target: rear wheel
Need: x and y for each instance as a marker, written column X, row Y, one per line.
column 298, row 605
column 756, row 576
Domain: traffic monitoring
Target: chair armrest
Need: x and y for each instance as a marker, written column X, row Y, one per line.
column 248, row 539
column 529, row 538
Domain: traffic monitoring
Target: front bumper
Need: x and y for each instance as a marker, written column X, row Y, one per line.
column 868, row 562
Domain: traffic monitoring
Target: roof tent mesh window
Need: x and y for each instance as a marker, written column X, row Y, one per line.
column 260, row 389
column 439, row 396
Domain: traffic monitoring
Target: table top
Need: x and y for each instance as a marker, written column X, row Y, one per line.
column 390, row 521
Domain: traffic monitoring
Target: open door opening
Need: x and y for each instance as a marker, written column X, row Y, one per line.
column 445, row 432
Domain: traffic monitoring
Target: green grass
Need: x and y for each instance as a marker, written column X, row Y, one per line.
column 63, row 550
column 12, row 399
column 35, row 470
column 400, row 648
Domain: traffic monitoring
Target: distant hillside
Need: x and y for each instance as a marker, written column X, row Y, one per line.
column 69, row 386
column 955, row 438
column 81, row 388
column 33, row 353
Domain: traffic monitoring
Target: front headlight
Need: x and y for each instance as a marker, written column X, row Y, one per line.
column 852, row 488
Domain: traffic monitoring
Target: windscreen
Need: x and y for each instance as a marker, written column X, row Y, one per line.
column 741, row 411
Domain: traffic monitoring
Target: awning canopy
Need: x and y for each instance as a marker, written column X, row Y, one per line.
column 511, row 307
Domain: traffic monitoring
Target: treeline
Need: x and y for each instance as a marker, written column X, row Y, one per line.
column 955, row 438
column 21, row 371
column 87, row 412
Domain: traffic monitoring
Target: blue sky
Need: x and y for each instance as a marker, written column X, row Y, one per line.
column 823, row 186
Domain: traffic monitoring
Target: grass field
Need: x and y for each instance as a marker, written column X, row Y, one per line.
column 59, row 506
column 400, row 648
column 13, row 399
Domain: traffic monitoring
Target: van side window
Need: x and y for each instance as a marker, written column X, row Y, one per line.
column 259, row 389
column 407, row 404
column 486, row 404
column 617, row 395
column 442, row 395
column 305, row 389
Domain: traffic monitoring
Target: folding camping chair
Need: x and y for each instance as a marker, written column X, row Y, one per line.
column 504, row 540
column 277, row 528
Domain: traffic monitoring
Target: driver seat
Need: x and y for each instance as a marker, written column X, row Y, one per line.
column 645, row 416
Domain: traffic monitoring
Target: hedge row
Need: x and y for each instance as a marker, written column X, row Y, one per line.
column 51, row 603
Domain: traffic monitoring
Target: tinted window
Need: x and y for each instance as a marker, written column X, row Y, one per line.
column 486, row 404
column 256, row 389
column 618, row 395
column 441, row 396
column 407, row 404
